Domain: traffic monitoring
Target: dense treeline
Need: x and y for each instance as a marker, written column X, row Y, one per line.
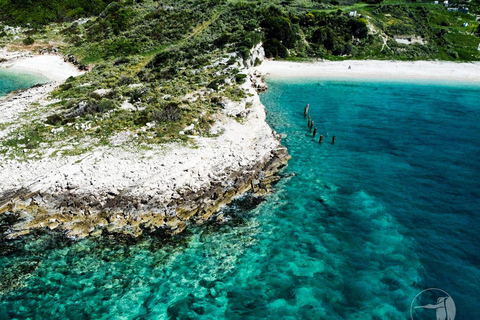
column 128, row 27
column 326, row 33
column 36, row 12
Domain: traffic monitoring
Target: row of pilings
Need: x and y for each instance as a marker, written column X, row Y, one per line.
column 311, row 125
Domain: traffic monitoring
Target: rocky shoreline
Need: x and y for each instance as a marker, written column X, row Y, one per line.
column 82, row 215
column 116, row 190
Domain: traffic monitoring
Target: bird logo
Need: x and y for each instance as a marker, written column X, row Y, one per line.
column 444, row 306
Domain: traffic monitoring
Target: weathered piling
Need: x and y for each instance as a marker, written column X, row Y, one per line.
column 314, row 132
column 305, row 112
column 321, row 139
column 309, row 121
column 311, row 125
column 333, row 139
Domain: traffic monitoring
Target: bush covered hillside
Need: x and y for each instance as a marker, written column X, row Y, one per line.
column 151, row 59
column 37, row 12
column 289, row 29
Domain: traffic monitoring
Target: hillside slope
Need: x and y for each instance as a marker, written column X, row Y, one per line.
column 154, row 55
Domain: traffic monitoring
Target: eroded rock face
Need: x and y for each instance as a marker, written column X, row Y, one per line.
column 82, row 215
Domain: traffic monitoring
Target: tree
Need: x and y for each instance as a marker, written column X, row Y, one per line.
column 282, row 29
column 274, row 48
column 359, row 28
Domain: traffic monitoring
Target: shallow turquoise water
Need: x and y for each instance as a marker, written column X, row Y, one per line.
column 354, row 230
column 12, row 80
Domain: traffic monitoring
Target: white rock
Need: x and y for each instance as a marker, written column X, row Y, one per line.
column 102, row 92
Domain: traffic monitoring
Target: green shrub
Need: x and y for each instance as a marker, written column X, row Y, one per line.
column 21, row 12
column 244, row 52
column 274, row 48
column 240, row 77
column 54, row 120
column 170, row 112
column 120, row 47
column 281, row 29
column 28, row 41
column 106, row 105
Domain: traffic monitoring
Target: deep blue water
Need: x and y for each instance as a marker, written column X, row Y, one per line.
column 11, row 81
column 354, row 230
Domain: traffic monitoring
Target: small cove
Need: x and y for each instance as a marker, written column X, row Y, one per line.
column 15, row 80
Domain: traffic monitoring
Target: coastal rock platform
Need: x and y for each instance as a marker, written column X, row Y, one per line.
column 127, row 189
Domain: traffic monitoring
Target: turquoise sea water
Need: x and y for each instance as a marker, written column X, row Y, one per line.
column 354, row 230
column 13, row 80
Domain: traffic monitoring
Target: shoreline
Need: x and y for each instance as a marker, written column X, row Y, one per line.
column 124, row 189
column 441, row 71
column 49, row 66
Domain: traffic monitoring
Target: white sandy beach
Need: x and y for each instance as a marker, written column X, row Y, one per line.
column 374, row 69
column 49, row 66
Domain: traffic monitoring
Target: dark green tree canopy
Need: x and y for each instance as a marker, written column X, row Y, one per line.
column 37, row 12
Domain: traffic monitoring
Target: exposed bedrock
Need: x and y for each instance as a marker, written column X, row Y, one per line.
column 82, row 215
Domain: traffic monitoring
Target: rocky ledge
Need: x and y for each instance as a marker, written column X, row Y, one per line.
column 81, row 215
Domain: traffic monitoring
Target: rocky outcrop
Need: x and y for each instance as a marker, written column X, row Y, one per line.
column 71, row 59
column 118, row 191
column 82, row 215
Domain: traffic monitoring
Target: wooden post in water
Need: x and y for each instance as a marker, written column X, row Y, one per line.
column 314, row 132
column 309, row 121
column 333, row 139
column 321, row 139
column 311, row 126
column 305, row 113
